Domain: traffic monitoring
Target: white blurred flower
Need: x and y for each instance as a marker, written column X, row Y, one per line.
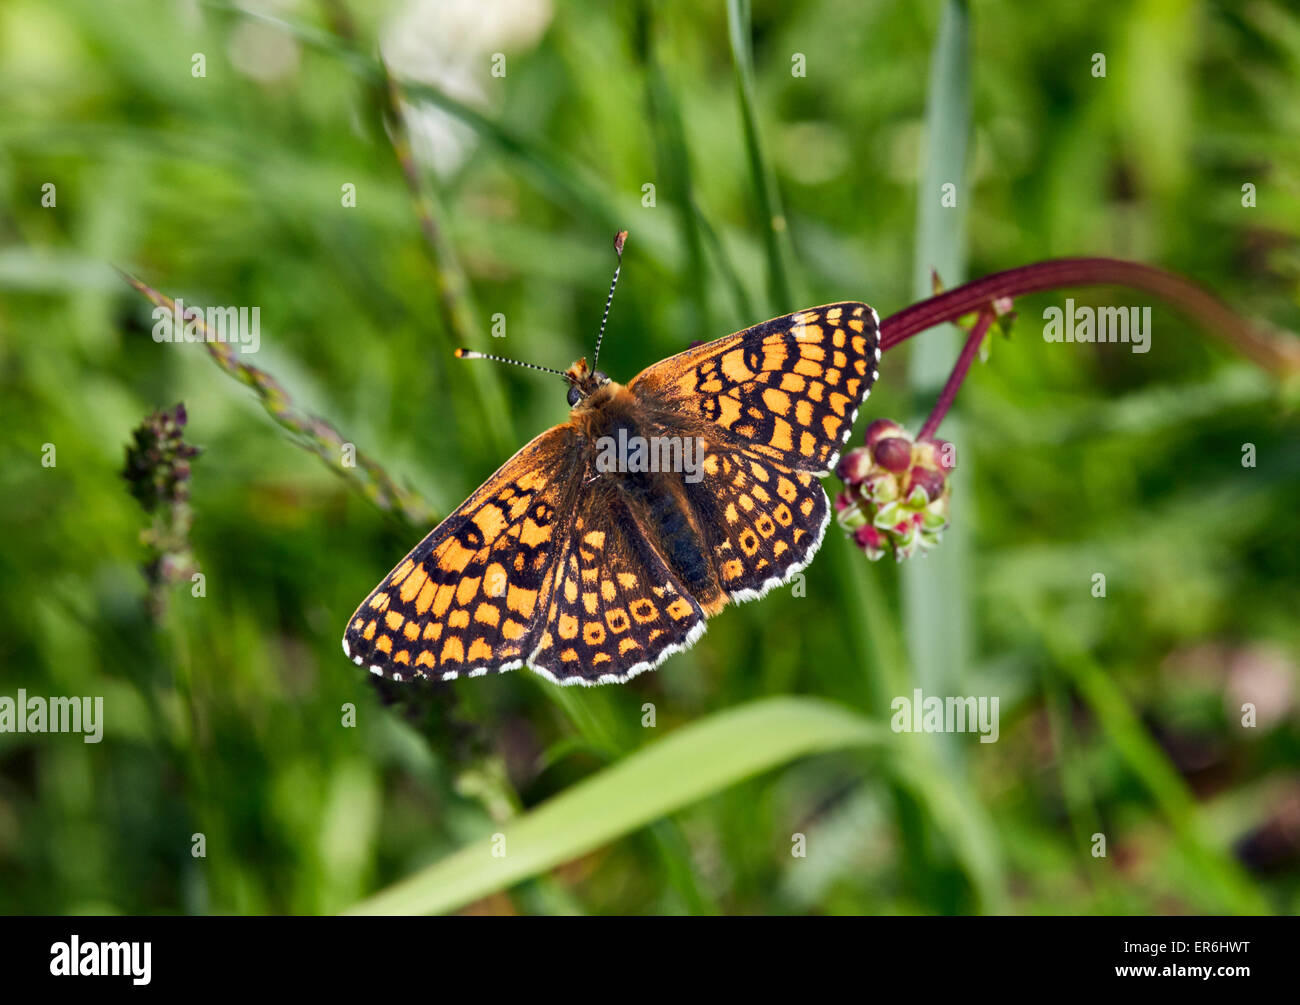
column 449, row 44
column 261, row 51
column 1264, row 677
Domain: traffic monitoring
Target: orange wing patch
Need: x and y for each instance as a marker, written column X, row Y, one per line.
column 762, row 521
column 616, row 608
column 465, row 600
column 788, row 389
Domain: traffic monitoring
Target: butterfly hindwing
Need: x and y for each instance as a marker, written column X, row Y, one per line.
column 616, row 608
column 788, row 389
column 466, row 599
column 762, row 521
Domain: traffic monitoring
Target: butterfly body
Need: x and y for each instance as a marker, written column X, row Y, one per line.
column 591, row 564
column 650, row 494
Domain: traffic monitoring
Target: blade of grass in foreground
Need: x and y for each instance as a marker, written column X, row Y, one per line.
column 688, row 765
column 694, row 762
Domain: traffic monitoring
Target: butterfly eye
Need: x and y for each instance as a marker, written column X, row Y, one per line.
column 574, row 395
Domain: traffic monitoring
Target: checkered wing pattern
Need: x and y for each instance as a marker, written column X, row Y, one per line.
column 466, row 600
column 616, row 608
column 762, row 521
column 788, row 389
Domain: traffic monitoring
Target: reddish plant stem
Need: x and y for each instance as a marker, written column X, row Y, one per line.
column 1278, row 355
column 950, row 387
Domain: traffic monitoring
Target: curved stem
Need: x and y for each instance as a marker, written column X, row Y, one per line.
column 1278, row 355
column 949, row 392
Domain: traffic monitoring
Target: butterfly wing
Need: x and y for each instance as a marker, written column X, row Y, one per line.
column 788, row 390
column 617, row 609
column 761, row 521
column 467, row 599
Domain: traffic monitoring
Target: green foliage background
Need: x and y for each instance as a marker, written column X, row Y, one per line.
column 1119, row 715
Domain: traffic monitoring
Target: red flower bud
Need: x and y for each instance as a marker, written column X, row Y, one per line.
column 853, row 466
column 893, row 453
column 869, row 537
column 880, row 428
column 880, row 506
column 927, row 478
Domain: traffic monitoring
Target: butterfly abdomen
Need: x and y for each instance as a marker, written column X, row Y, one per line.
column 664, row 515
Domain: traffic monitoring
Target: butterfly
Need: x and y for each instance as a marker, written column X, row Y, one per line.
column 590, row 566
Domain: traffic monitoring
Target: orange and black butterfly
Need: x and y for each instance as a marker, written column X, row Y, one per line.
column 591, row 572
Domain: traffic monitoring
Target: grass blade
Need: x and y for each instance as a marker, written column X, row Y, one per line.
column 690, row 764
column 1212, row 863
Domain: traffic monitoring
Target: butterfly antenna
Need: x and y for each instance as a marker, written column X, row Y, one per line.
column 618, row 250
column 471, row 354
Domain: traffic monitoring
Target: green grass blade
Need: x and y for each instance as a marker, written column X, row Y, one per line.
column 941, row 229
column 745, row 313
column 690, row 764
column 934, row 592
column 1152, row 767
column 672, row 156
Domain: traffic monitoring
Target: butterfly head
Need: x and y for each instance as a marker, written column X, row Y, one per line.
column 583, row 382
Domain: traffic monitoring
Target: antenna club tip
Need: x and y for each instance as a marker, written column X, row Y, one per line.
column 619, row 239
column 461, row 353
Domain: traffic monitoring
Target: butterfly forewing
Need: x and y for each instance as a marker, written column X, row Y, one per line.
column 788, row 389
column 466, row 599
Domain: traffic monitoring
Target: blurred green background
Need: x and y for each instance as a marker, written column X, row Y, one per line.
column 1119, row 716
